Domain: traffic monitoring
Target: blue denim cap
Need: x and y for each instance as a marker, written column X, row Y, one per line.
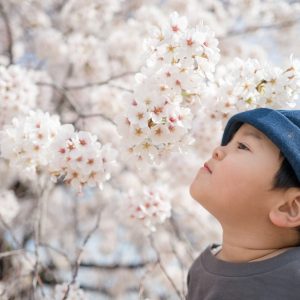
column 282, row 127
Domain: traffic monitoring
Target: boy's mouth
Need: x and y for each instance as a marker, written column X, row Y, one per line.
column 207, row 167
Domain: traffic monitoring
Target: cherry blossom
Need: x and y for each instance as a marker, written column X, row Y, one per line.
column 88, row 16
column 25, row 142
column 17, row 91
column 250, row 84
column 181, row 61
column 150, row 208
column 88, row 56
column 80, row 159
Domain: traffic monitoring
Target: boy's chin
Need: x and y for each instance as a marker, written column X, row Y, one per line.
column 199, row 197
column 194, row 192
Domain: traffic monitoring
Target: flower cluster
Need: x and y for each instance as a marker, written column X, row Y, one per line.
column 40, row 142
column 181, row 61
column 88, row 56
column 9, row 206
column 193, row 50
column 75, row 293
column 50, row 44
column 151, row 207
column 25, row 142
column 80, row 159
column 244, row 85
column 88, row 16
column 18, row 93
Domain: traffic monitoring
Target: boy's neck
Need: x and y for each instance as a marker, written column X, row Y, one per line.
column 242, row 247
column 234, row 254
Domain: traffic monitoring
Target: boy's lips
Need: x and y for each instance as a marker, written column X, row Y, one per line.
column 207, row 167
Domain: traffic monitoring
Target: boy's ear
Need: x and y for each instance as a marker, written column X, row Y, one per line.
column 286, row 213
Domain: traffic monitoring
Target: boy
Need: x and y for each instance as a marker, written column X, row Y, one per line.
column 252, row 186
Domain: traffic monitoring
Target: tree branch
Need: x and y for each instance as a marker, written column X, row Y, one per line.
column 178, row 233
column 120, row 88
column 85, row 116
column 78, row 260
column 111, row 267
column 251, row 29
column 178, row 292
column 64, row 91
column 100, row 83
column 11, row 253
column 8, row 34
column 44, row 190
column 141, row 286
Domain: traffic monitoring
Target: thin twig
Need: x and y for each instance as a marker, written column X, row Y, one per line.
column 85, row 116
column 60, row 101
column 251, row 29
column 11, row 253
column 60, row 89
column 179, row 294
column 120, row 88
column 78, row 259
column 99, row 83
column 180, row 237
column 44, row 192
column 102, row 290
column 64, row 92
column 116, row 266
column 8, row 33
column 141, row 285
column 173, row 248
column 6, row 226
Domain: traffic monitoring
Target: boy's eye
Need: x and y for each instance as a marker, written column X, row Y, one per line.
column 242, row 146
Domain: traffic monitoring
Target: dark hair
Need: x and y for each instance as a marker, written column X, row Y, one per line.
column 285, row 177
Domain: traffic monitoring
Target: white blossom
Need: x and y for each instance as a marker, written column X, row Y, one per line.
column 88, row 56
column 50, row 45
column 25, row 142
column 88, row 16
column 9, row 206
column 180, row 62
column 151, row 207
column 18, row 93
column 251, row 84
column 80, row 159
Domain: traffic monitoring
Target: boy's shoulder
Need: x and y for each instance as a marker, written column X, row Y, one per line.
column 254, row 280
column 284, row 264
column 289, row 259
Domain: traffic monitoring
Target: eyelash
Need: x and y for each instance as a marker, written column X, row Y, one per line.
column 244, row 146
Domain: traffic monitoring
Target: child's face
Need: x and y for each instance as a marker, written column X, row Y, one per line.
column 238, row 189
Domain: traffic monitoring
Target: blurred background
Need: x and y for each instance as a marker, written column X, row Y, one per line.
column 76, row 58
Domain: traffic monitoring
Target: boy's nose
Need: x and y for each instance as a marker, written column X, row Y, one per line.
column 218, row 153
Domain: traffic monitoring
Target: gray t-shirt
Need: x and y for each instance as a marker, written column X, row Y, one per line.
column 276, row 278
